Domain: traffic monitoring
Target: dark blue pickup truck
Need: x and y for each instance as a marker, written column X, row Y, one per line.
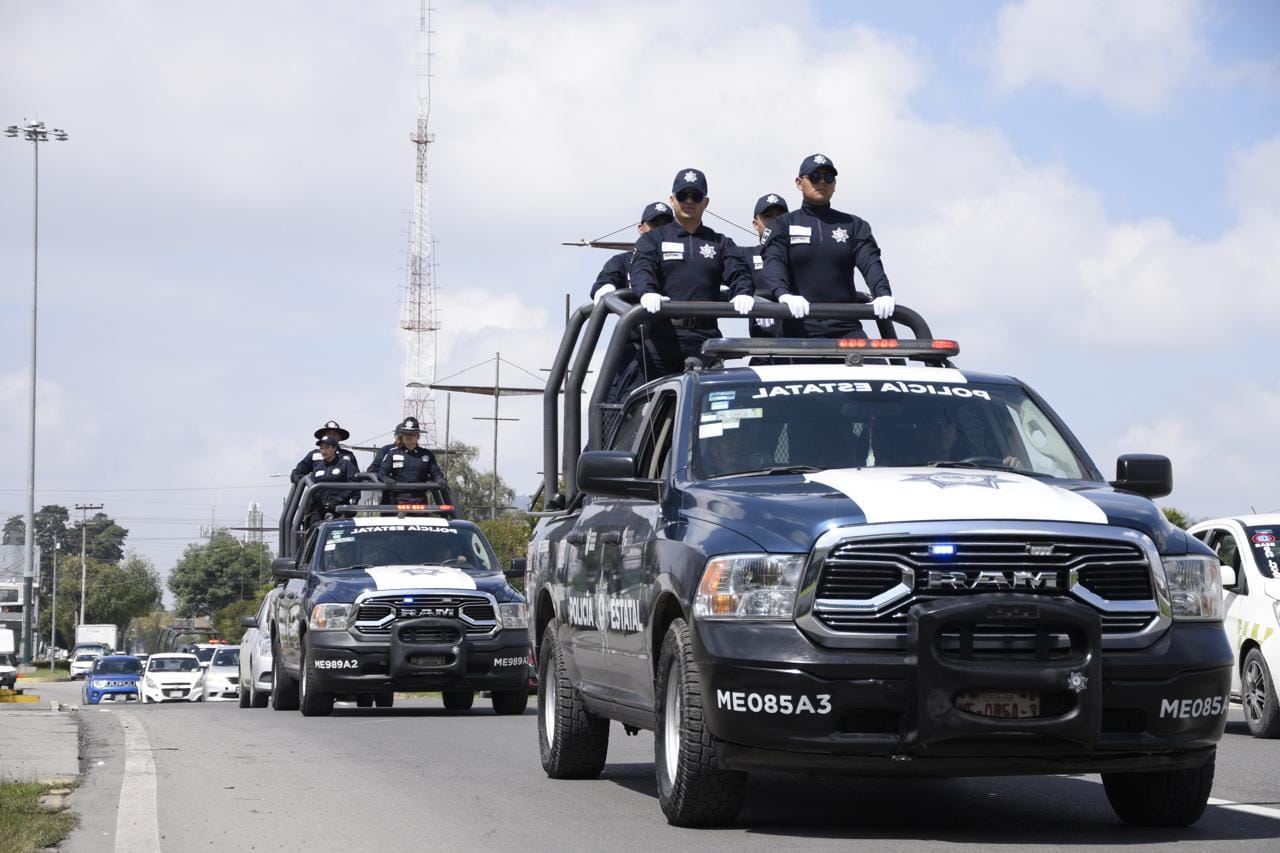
column 852, row 557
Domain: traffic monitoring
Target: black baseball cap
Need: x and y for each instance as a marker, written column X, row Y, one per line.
column 814, row 162
column 689, row 179
column 772, row 200
column 657, row 210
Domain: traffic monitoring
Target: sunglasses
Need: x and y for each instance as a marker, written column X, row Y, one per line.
column 821, row 177
column 690, row 195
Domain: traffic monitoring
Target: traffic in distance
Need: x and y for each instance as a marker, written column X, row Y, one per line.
column 807, row 550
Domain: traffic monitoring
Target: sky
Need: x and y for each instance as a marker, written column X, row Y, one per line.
column 1085, row 194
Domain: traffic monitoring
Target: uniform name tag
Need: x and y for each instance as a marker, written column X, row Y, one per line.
column 316, row 455
column 757, row 262
column 672, row 251
column 800, row 234
column 397, row 460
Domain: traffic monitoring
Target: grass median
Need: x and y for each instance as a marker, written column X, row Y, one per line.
column 42, row 672
column 26, row 823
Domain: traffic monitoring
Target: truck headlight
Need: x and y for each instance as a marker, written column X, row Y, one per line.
column 331, row 617
column 515, row 615
column 1195, row 588
column 749, row 586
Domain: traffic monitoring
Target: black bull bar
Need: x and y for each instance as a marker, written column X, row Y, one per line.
column 579, row 344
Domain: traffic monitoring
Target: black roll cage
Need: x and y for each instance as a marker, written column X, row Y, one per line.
column 582, row 337
column 293, row 520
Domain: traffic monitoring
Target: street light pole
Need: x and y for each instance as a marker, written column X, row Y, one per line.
column 53, row 611
column 35, row 133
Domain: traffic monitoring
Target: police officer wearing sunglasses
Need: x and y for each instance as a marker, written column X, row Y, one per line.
column 685, row 261
column 810, row 255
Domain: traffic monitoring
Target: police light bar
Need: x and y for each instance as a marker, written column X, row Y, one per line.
column 848, row 349
column 394, row 509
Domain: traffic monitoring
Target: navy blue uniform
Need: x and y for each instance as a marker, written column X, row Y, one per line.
column 754, row 258
column 688, row 268
column 402, row 465
column 341, row 470
column 307, row 464
column 378, row 457
column 614, row 272
column 812, row 252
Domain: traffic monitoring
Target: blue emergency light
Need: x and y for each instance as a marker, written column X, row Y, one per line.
column 941, row 549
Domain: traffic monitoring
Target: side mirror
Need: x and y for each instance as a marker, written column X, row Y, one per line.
column 1144, row 474
column 516, row 572
column 248, row 621
column 1229, row 578
column 612, row 474
column 286, row 568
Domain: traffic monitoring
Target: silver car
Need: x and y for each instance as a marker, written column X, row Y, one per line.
column 222, row 675
column 255, row 656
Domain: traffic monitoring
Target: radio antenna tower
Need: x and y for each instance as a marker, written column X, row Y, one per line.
column 419, row 318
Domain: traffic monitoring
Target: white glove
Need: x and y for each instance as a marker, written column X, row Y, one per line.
column 743, row 303
column 883, row 306
column 798, row 304
column 652, row 302
column 604, row 291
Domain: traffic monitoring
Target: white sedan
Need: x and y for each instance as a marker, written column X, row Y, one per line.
column 172, row 677
column 1248, row 547
column 83, row 664
column 222, row 675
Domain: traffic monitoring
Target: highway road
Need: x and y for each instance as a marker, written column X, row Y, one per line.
column 215, row 777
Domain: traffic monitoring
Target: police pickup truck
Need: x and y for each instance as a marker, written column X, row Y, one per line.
column 392, row 597
column 852, row 557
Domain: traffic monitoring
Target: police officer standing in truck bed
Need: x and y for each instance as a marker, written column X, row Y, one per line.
column 613, row 275
column 768, row 208
column 810, row 255
column 685, row 261
column 410, row 463
column 331, row 429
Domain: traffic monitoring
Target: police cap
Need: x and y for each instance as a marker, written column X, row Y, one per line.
column 689, row 179
column 408, row 425
column 343, row 435
column 814, row 162
column 658, row 210
column 770, row 201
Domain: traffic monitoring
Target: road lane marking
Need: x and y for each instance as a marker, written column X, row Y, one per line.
column 137, row 829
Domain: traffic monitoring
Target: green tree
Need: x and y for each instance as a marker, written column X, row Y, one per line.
column 214, row 574
column 52, row 527
column 472, row 488
column 227, row 620
column 1177, row 517
column 116, row 594
column 509, row 536
column 104, row 539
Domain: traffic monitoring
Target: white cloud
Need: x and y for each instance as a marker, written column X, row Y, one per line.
column 1132, row 55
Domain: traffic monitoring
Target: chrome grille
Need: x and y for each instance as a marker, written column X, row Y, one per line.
column 377, row 614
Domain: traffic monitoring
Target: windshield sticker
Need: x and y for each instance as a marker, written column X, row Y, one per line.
column 710, row 430
column 330, row 546
column 719, row 405
column 710, row 418
column 1264, row 538
column 395, row 528
column 741, row 414
column 721, row 395
column 800, row 388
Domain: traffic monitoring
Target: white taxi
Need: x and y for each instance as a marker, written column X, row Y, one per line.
column 1248, row 547
column 172, row 678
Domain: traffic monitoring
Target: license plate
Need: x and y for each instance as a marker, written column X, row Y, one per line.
column 990, row 703
column 428, row 660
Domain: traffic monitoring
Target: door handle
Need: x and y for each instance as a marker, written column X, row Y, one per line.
column 613, row 537
column 577, row 537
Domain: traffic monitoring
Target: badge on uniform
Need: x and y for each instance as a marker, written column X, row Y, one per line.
column 800, row 234
column 397, row 460
column 757, row 262
column 672, row 251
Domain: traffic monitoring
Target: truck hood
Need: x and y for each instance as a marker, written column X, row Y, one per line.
column 788, row 512
column 345, row 586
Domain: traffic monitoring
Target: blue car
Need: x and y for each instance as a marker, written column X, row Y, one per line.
column 114, row 678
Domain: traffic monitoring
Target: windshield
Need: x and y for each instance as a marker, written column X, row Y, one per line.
column 1265, row 542
column 205, row 655
column 86, row 657
column 878, row 424
column 391, row 545
column 182, row 664
column 121, row 666
column 227, row 657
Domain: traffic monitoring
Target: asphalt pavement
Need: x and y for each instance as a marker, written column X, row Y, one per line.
column 216, row 777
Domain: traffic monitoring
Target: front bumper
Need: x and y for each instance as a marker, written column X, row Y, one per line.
column 94, row 696
column 172, row 693
column 347, row 664
column 222, row 694
column 777, row 699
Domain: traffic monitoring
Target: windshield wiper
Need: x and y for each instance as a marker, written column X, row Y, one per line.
column 943, row 463
column 777, row 469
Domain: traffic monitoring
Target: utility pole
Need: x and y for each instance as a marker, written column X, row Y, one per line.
column 35, row 133
column 84, row 540
column 53, row 614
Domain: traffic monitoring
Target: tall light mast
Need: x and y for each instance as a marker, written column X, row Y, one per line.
column 419, row 320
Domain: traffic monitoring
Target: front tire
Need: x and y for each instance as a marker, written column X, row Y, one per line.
column 384, row 700
column 572, row 742
column 458, row 700
column 284, row 690
column 510, row 702
column 1163, row 798
column 693, row 788
column 313, row 701
column 246, row 697
column 364, row 700
column 1258, row 696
